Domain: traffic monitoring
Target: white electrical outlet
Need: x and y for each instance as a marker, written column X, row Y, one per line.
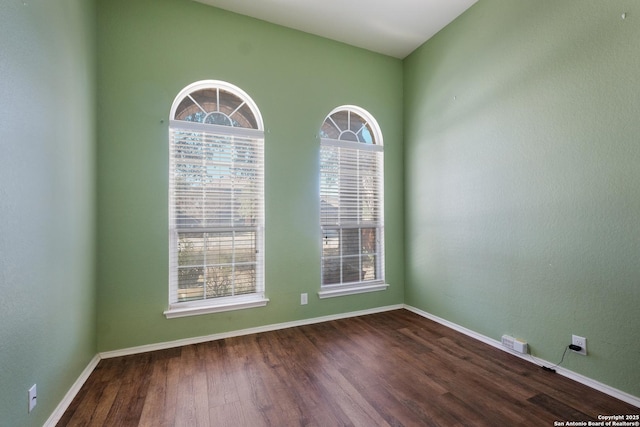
column 582, row 342
column 32, row 394
column 303, row 299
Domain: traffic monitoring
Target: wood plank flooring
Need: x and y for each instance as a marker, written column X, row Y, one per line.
column 388, row 369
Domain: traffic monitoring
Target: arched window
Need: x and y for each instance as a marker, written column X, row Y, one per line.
column 351, row 203
column 216, row 200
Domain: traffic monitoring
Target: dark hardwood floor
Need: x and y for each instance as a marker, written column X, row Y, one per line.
column 393, row 368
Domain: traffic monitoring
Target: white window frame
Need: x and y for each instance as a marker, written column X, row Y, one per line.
column 378, row 283
column 211, row 131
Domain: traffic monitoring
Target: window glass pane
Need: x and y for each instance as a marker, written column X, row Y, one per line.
column 331, row 271
column 369, row 267
column 369, row 245
column 245, row 279
column 191, row 249
column 350, row 241
column 351, row 269
column 348, row 135
column 329, row 130
column 219, row 281
column 189, row 111
column 190, row 283
column 229, row 102
column 341, row 120
column 245, row 247
column 368, row 240
column 244, row 118
column 365, row 134
column 358, row 125
column 225, row 261
column 207, row 99
column 331, row 243
column 331, row 256
column 217, row 118
column 219, row 248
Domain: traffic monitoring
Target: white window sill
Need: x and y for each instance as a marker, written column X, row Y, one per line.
column 339, row 291
column 186, row 309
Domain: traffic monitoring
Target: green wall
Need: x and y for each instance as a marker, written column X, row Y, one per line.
column 47, row 202
column 515, row 197
column 148, row 50
column 522, row 154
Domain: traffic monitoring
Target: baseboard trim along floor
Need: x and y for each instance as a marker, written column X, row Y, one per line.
column 71, row 394
column 596, row 385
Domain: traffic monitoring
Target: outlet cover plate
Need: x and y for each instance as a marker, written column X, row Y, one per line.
column 582, row 342
column 32, row 395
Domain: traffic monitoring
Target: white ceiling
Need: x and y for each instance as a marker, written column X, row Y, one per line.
column 391, row 27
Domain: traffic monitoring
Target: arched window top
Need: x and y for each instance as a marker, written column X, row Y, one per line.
column 351, row 123
column 216, row 102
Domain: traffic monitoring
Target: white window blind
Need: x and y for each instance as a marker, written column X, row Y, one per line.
column 216, row 200
column 351, row 200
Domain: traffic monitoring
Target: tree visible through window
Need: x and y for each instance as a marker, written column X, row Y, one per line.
column 351, row 199
column 216, row 187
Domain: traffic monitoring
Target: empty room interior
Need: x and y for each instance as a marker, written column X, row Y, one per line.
column 497, row 198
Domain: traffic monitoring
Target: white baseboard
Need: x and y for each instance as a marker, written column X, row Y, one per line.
column 71, row 394
column 596, row 385
column 241, row 332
